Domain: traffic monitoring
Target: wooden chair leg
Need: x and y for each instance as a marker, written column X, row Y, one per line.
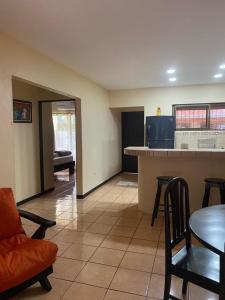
column 45, row 283
column 167, row 287
column 222, row 277
column 156, row 204
column 221, row 297
column 184, row 287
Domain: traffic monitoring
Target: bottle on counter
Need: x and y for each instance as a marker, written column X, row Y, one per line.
column 158, row 111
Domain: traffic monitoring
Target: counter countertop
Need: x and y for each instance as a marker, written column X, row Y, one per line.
column 145, row 151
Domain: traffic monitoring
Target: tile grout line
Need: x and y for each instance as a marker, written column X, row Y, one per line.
column 86, row 264
column 113, row 204
column 121, row 261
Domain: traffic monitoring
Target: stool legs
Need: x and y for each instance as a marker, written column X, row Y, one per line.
column 205, row 201
column 221, row 186
column 157, row 203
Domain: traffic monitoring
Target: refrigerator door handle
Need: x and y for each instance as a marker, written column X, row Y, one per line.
column 148, row 130
column 148, row 134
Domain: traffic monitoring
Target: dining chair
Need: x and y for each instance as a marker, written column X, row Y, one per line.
column 194, row 264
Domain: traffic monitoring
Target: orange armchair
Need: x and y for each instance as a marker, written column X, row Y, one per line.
column 23, row 260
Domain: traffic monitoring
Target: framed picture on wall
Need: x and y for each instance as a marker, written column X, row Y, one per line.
column 22, row 111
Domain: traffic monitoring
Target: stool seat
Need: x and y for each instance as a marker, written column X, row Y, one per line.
column 214, row 180
column 161, row 180
column 165, row 178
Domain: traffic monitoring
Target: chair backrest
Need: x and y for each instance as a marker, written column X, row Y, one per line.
column 177, row 213
column 10, row 223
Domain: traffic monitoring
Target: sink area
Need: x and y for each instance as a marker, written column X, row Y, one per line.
column 202, row 139
column 207, row 143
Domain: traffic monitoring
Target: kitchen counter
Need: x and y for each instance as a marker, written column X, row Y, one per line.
column 145, row 151
column 192, row 164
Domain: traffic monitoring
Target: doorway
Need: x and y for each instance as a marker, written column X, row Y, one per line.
column 132, row 135
column 57, row 129
column 27, row 140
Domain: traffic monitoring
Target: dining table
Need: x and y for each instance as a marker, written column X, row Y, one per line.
column 208, row 226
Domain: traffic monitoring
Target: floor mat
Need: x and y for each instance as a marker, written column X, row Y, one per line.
column 128, row 183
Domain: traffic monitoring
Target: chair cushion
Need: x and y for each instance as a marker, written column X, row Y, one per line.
column 10, row 222
column 21, row 258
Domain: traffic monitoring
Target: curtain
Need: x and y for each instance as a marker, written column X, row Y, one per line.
column 64, row 128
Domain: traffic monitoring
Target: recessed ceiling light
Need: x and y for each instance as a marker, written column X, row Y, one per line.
column 219, row 75
column 171, row 71
column 172, row 79
column 222, row 66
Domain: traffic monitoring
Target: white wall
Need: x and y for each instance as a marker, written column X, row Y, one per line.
column 151, row 98
column 204, row 139
column 48, row 145
column 99, row 127
column 26, row 154
column 26, row 141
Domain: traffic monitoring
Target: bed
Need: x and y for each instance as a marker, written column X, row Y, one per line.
column 63, row 160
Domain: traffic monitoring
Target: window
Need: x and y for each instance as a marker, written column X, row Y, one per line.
column 64, row 130
column 200, row 116
column 217, row 118
column 189, row 117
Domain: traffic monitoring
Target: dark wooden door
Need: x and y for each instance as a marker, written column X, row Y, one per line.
column 132, row 135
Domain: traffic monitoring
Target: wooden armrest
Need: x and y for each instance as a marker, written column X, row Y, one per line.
column 36, row 219
column 44, row 223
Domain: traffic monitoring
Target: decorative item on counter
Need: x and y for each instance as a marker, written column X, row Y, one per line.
column 158, row 111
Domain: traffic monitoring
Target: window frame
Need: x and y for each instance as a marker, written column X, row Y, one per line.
column 208, row 107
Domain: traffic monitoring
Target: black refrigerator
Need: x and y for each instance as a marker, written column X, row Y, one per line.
column 160, row 132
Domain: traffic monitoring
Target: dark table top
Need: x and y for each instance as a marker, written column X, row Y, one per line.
column 208, row 224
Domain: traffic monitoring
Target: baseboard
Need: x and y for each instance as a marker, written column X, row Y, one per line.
column 98, row 186
column 78, row 196
column 34, row 196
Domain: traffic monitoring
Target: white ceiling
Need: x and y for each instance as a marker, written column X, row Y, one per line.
column 124, row 43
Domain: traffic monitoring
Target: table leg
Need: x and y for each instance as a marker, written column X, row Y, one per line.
column 222, row 278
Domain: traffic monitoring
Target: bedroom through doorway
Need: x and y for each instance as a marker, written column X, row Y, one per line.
column 64, row 155
column 58, row 145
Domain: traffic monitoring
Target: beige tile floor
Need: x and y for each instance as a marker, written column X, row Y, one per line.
column 107, row 248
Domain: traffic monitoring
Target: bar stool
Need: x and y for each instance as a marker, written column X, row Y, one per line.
column 213, row 182
column 162, row 180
